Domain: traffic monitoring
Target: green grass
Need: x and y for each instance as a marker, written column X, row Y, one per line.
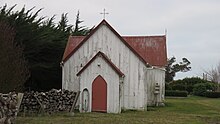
column 191, row 110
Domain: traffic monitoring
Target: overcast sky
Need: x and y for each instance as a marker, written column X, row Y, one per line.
column 193, row 26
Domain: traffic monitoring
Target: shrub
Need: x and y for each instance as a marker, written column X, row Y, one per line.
column 176, row 93
column 179, row 87
column 201, row 88
column 168, row 86
column 185, row 84
column 193, row 80
column 212, row 94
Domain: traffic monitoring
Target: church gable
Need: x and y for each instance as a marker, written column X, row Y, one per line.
column 106, row 59
column 100, row 67
column 149, row 49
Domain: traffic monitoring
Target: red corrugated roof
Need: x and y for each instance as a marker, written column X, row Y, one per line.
column 150, row 49
column 72, row 43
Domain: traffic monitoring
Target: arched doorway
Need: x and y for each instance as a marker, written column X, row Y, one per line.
column 85, row 100
column 99, row 95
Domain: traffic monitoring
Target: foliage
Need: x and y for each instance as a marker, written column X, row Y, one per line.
column 168, row 86
column 211, row 94
column 44, row 43
column 172, row 68
column 80, row 30
column 213, row 74
column 201, row 88
column 194, row 85
column 13, row 69
column 180, row 87
column 185, row 84
column 176, row 93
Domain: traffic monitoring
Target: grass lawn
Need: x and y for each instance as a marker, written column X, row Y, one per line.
column 191, row 110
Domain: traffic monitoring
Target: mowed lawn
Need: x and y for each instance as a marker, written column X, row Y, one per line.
column 191, row 110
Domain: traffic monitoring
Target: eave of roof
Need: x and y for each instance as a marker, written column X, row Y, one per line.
column 107, row 60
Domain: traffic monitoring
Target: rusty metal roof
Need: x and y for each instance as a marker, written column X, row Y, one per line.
column 71, row 45
column 150, row 49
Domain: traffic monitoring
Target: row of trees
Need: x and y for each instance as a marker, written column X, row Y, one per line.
column 208, row 86
column 173, row 67
column 32, row 48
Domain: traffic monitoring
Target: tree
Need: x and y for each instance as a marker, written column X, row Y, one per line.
column 14, row 71
column 172, row 68
column 63, row 26
column 213, row 74
column 43, row 44
column 80, row 30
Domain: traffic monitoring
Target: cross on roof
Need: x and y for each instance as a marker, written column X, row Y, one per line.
column 104, row 13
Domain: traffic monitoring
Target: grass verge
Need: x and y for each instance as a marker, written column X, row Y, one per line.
column 190, row 110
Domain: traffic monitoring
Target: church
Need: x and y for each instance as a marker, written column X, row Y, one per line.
column 114, row 72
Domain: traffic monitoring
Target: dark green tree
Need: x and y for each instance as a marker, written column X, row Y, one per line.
column 172, row 68
column 13, row 69
column 43, row 44
column 80, row 30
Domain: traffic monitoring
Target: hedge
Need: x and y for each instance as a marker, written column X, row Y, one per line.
column 186, row 84
column 201, row 88
column 210, row 94
column 176, row 93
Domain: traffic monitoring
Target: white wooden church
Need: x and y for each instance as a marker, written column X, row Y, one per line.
column 115, row 72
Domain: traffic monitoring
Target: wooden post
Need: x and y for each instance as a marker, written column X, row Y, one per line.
column 74, row 102
column 19, row 100
column 41, row 105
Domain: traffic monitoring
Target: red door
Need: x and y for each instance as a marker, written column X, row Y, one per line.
column 99, row 95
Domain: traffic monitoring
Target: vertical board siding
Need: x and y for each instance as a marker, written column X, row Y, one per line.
column 155, row 76
column 134, row 95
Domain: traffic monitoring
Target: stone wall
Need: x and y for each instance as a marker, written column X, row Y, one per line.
column 48, row 102
column 8, row 108
column 35, row 102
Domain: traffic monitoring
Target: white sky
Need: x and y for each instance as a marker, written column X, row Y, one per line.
column 193, row 25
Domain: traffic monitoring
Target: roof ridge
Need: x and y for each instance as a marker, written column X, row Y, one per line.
column 77, row 36
column 143, row 36
column 124, row 35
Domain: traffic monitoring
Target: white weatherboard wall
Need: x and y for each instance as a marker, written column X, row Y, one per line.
column 90, row 73
column 153, row 76
column 104, row 40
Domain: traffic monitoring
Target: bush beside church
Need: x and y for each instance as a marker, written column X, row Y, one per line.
column 193, row 86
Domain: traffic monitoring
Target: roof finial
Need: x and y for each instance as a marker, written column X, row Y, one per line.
column 104, row 13
column 165, row 32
